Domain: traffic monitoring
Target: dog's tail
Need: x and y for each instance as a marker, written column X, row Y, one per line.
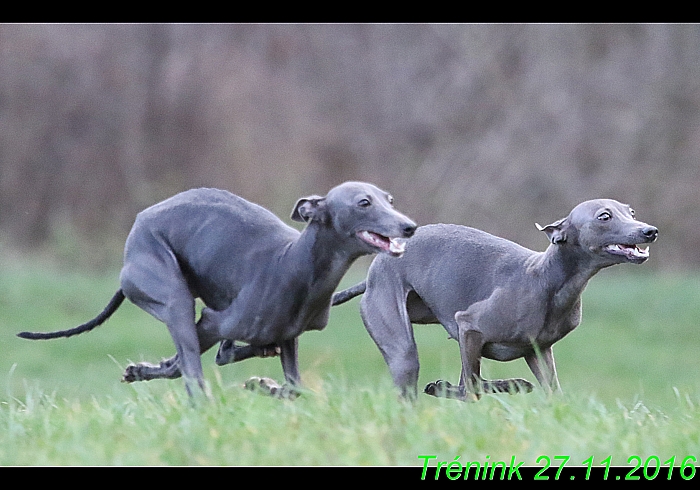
column 347, row 294
column 114, row 303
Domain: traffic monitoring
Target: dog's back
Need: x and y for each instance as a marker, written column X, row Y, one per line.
column 474, row 261
column 217, row 238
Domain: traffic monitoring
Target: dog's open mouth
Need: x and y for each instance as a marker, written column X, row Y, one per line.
column 631, row 252
column 392, row 246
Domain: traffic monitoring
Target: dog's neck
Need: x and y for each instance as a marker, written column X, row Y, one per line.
column 567, row 271
column 319, row 259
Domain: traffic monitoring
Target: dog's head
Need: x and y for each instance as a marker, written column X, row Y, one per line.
column 363, row 213
column 605, row 229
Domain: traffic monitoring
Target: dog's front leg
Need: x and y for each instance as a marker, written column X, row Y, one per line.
column 288, row 351
column 290, row 361
column 471, row 342
column 229, row 352
column 542, row 366
column 144, row 371
column 290, row 365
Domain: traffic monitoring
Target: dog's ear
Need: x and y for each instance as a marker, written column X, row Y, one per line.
column 556, row 232
column 307, row 208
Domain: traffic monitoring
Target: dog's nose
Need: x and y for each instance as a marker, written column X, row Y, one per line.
column 409, row 229
column 651, row 232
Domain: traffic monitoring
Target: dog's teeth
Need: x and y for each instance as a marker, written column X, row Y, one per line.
column 371, row 238
column 397, row 246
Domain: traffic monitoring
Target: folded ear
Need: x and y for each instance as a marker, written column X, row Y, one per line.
column 556, row 232
column 307, row 208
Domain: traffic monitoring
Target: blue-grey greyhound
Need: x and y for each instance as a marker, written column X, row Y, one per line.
column 497, row 299
column 262, row 282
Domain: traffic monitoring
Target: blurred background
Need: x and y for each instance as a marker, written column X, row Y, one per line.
column 493, row 126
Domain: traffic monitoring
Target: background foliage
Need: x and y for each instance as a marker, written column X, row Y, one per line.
column 494, row 126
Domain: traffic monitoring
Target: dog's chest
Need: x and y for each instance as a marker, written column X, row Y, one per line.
column 528, row 326
column 558, row 324
column 268, row 319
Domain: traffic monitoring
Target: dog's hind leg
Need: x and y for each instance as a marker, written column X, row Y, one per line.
column 383, row 311
column 153, row 281
column 170, row 368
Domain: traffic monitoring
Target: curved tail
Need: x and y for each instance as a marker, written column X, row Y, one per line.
column 111, row 307
column 347, row 294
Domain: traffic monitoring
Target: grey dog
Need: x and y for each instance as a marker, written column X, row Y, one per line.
column 263, row 283
column 498, row 299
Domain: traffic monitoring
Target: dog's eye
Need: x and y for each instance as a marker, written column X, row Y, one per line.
column 604, row 216
column 363, row 203
column 632, row 213
column 390, row 198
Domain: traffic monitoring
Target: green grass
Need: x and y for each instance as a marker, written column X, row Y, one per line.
column 629, row 374
column 335, row 425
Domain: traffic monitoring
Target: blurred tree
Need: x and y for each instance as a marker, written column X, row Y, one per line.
column 494, row 126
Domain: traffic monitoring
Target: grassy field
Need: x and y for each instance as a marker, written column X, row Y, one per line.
column 630, row 375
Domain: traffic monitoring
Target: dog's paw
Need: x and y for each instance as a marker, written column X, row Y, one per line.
column 437, row 388
column 271, row 350
column 230, row 352
column 512, row 386
column 226, row 353
column 132, row 373
column 524, row 386
column 445, row 389
column 144, row 371
column 270, row 387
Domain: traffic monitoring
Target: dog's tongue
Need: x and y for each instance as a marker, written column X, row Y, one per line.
column 395, row 246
